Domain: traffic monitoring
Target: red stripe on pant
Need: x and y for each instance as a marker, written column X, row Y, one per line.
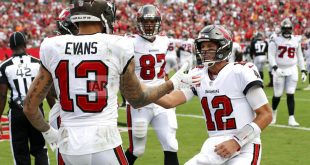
column 129, row 125
column 60, row 160
column 120, row 155
column 255, row 154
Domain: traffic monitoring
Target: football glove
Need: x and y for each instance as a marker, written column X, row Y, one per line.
column 303, row 76
column 277, row 71
column 51, row 137
column 181, row 79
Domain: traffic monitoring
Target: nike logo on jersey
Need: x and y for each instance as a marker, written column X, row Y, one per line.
column 81, row 48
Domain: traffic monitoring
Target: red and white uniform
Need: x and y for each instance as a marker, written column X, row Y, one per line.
column 236, row 48
column 171, row 55
column 86, row 72
column 150, row 64
column 226, row 110
column 285, row 53
column 307, row 53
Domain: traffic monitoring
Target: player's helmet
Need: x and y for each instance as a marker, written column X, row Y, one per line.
column 219, row 35
column 259, row 36
column 185, row 34
column 148, row 21
column 286, row 28
column 94, row 11
column 64, row 24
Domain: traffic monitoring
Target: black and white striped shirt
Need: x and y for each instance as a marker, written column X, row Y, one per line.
column 18, row 72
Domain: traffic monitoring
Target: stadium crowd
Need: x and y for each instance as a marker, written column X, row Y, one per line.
column 37, row 19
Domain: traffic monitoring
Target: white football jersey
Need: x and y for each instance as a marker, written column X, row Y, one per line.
column 86, row 72
column 187, row 52
column 223, row 100
column 285, row 52
column 150, row 59
column 172, row 48
column 307, row 50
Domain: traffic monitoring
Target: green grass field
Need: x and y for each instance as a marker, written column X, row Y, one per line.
column 281, row 146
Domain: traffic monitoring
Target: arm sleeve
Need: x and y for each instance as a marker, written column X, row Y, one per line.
column 256, row 97
column 272, row 53
column 300, row 57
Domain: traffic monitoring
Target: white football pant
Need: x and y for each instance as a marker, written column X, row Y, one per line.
column 248, row 155
column 288, row 82
column 163, row 122
column 114, row 156
column 259, row 62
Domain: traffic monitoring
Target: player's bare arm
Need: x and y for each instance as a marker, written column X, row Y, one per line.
column 51, row 96
column 263, row 119
column 172, row 99
column 37, row 92
column 3, row 94
column 137, row 94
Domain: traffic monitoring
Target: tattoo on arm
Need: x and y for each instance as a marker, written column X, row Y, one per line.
column 37, row 92
column 137, row 94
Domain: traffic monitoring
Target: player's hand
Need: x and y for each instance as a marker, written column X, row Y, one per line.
column 51, row 136
column 277, row 71
column 179, row 75
column 181, row 79
column 303, row 76
column 227, row 148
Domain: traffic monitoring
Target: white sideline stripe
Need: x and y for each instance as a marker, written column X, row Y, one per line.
column 273, row 125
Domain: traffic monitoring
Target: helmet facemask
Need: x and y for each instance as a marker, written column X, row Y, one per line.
column 212, row 55
column 286, row 28
column 149, row 27
column 286, row 32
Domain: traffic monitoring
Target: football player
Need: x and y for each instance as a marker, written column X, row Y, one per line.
column 88, row 69
column 150, row 52
column 259, row 50
column 276, row 32
column 171, row 55
column 307, row 54
column 236, row 54
column 284, row 52
column 186, row 49
column 233, row 102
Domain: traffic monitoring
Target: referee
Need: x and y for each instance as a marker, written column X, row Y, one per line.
column 16, row 74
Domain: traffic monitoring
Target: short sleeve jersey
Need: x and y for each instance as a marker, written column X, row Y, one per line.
column 86, row 72
column 223, row 100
